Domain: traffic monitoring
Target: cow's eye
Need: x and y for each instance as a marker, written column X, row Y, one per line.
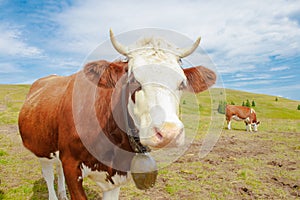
column 133, row 83
column 182, row 85
column 134, row 86
column 180, row 61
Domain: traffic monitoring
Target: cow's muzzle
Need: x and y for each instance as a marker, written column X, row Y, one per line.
column 167, row 135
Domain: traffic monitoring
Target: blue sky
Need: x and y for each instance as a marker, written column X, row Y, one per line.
column 254, row 44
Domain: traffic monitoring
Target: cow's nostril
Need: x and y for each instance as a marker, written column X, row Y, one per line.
column 159, row 135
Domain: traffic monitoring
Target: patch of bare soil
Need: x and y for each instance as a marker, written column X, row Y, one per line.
column 241, row 166
column 271, row 163
column 9, row 129
column 2, row 107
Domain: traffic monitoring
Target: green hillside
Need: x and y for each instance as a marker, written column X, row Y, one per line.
column 280, row 115
column 275, row 113
column 262, row 165
column 266, row 106
column 11, row 100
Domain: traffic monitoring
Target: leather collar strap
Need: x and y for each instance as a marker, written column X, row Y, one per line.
column 132, row 131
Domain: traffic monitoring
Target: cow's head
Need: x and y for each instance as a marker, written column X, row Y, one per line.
column 255, row 125
column 155, row 66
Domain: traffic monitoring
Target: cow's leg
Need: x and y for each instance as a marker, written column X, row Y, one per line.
column 229, row 124
column 48, row 174
column 248, row 127
column 61, row 181
column 111, row 194
column 74, row 178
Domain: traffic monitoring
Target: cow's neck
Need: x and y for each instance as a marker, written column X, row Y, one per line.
column 131, row 130
column 110, row 118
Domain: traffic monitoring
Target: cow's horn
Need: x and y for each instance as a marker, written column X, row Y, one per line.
column 187, row 51
column 118, row 46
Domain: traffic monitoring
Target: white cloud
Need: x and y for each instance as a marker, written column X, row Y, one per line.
column 9, row 68
column 235, row 67
column 237, row 32
column 250, row 78
column 249, row 84
column 12, row 44
column 240, row 36
column 287, row 77
column 289, row 91
column 239, row 75
column 281, row 68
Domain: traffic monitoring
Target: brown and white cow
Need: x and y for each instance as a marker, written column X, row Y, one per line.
column 76, row 122
column 242, row 113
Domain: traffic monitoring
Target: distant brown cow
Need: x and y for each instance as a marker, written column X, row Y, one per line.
column 242, row 113
column 76, row 122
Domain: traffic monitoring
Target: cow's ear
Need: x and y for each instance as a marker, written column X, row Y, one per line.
column 199, row 78
column 105, row 74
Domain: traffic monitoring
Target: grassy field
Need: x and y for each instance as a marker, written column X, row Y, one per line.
column 262, row 165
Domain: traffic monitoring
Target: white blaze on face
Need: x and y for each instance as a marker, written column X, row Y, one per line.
column 254, row 126
column 156, row 106
column 155, row 64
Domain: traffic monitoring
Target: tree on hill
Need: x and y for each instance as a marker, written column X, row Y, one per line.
column 248, row 103
column 298, row 107
column 221, row 107
column 253, row 104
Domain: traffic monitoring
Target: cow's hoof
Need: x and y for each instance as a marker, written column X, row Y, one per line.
column 62, row 197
